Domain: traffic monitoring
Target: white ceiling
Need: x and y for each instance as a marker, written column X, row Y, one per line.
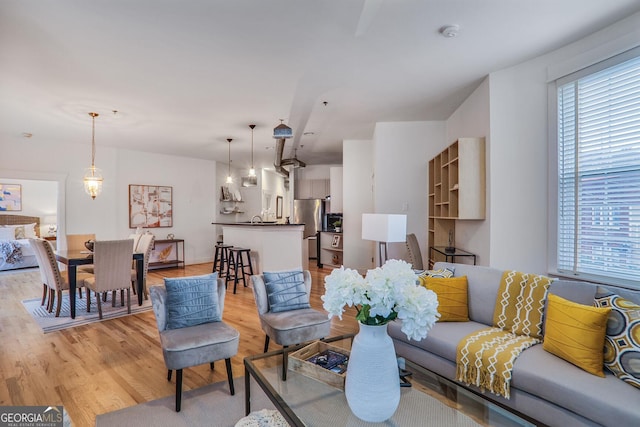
column 186, row 75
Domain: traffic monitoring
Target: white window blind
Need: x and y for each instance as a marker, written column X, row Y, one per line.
column 599, row 174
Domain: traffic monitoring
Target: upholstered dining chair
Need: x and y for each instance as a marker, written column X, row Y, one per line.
column 145, row 246
column 282, row 300
column 75, row 242
column 413, row 249
column 188, row 313
column 54, row 281
column 111, row 271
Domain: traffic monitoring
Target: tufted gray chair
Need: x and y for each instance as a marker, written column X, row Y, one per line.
column 194, row 345
column 288, row 327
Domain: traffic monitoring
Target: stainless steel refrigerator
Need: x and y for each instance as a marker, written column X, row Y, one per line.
column 310, row 212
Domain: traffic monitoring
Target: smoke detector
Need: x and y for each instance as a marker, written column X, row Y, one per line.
column 450, row 31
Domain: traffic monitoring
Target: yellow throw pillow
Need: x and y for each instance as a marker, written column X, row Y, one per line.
column 575, row 333
column 452, row 297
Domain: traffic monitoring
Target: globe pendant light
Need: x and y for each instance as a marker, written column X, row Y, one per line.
column 229, row 179
column 93, row 175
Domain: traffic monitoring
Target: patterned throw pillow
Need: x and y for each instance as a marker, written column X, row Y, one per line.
column 192, row 300
column 452, row 297
column 286, row 291
column 575, row 333
column 443, row 273
column 622, row 342
column 19, row 232
column 520, row 303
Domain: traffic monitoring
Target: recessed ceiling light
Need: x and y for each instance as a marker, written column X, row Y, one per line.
column 450, row 31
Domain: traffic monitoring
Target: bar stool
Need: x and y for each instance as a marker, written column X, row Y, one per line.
column 236, row 261
column 221, row 259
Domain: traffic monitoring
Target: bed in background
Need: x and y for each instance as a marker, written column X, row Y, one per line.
column 23, row 257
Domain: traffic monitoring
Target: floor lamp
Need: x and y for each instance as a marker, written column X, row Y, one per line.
column 384, row 228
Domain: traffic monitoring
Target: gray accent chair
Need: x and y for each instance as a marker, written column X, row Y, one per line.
column 289, row 327
column 194, row 345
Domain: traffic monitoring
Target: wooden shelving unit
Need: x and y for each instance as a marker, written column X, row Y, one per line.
column 330, row 255
column 457, row 189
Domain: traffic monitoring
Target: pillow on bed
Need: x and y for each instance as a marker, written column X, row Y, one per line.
column 7, row 233
column 30, row 231
column 22, row 231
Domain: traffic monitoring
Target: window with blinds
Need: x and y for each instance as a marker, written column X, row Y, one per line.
column 599, row 173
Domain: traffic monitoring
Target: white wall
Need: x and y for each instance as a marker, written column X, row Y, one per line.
column 357, row 158
column 519, row 164
column 193, row 182
column 194, row 197
column 401, row 156
column 471, row 119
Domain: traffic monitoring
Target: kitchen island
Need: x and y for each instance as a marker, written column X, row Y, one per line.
column 274, row 246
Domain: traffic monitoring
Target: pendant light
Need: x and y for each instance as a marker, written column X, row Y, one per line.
column 252, row 170
column 252, row 179
column 229, row 179
column 93, row 175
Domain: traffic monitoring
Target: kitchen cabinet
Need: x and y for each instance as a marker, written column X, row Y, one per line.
column 312, row 189
column 335, row 184
column 457, row 189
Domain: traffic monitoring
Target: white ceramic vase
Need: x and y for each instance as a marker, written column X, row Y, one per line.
column 372, row 385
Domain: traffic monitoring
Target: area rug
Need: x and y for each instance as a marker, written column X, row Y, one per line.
column 211, row 405
column 50, row 323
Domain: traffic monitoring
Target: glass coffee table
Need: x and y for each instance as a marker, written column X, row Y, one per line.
column 431, row 399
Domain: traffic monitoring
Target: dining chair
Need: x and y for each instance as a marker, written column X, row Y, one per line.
column 136, row 239
column 282, row 300
column 75, row 242
column 145, row 246
column 193, row 334
column 54, row 281
column 415, row 255
column 111, row 271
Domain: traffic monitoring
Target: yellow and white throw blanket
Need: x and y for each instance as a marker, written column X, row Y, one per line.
column 485, row 358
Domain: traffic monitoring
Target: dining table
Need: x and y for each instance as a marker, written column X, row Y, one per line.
column 73, row 258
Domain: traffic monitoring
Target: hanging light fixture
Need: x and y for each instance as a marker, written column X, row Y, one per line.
column 93, row 175
column 252, row 170
column 252, row 179
column 229, row 179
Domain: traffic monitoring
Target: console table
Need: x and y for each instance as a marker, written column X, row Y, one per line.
column 448, row 256
column 167, row 253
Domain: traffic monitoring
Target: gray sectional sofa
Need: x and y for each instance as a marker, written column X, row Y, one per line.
column 543, row 387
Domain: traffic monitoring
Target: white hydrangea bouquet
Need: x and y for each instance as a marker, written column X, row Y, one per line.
column 386, row 293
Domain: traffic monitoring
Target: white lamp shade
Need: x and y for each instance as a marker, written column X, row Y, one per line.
column 384, row 227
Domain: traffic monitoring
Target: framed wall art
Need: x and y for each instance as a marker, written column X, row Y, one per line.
column 10, row 197
column 150, row 206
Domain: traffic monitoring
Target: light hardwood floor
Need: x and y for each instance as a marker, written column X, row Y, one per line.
column 117, row 363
